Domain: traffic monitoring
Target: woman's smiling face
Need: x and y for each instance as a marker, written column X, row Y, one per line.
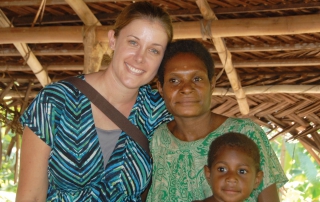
column 186, row 89
column 138, row 51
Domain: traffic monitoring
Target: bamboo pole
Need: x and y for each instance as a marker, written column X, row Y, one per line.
column 310, row 150
column 248, row 64
column 270, row 89
column 93, row 49
column 251, row 27
column 226, row 60
column 233, row 49
column 84, row 13
column 219, row 28
column 286, row 89
column 28, row 55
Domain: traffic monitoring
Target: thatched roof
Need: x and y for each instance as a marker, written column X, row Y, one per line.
column 269, row 50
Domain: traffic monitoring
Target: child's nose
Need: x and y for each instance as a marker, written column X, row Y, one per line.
column 231, row 178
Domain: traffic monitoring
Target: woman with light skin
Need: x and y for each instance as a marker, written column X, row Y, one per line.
column 179, row 148
column 233, row 169
column 71, row 151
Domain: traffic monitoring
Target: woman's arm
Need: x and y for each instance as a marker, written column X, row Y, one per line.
column 269, row 194
column 33, row 177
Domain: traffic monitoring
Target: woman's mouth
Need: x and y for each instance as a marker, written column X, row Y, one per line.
column 134, row 70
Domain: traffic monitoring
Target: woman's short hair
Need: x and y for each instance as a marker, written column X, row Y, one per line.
column 186, row 46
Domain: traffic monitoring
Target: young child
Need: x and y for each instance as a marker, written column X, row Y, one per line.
column 233, row 169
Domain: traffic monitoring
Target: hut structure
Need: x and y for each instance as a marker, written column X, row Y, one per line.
column 266, row 53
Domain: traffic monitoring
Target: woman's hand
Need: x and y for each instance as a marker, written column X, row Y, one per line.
column 33, row 177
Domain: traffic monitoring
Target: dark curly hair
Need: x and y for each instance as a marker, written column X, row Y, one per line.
column 186, row 46
column 235, row 140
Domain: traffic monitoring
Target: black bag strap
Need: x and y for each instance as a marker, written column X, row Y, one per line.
column 111, row 112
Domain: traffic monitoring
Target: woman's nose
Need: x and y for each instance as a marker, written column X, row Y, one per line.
column 139, row 55
column 187, row 87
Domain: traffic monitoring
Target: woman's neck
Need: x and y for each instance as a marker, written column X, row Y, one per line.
column 120, row 97
column 112, row 90
column 195, row 128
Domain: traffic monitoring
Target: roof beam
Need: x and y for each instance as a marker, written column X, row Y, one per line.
column 273, row 63
column 27, row 54
column 5, row 52
column 251, row 90
column 93, row 49
column 270, row 89
column 225, row 57
column 246, row 9
column 238, row 64
column 25, row 20
column 251, row 27
column 48, row 2
column 219, row 28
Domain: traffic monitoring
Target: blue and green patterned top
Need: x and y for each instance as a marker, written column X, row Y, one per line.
column 61, row 116
column 178, row 174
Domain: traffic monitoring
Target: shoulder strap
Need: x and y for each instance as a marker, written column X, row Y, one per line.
column 111, row 112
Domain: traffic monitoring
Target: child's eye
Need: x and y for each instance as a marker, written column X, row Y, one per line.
column 243, row 171
column 222, row 169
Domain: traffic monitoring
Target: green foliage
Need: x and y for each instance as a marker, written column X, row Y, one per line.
column 301, row 170
column 7, row 166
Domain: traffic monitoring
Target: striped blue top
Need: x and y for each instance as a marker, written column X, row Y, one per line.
column 61, row 116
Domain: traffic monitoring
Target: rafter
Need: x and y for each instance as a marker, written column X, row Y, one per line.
column 246, row 9
column 93, row 49
column 27, row 54
column 4, row 52
column 271, row 89
column 225, row 58
column 219, row 28
column 256, row 90
column 237, row 64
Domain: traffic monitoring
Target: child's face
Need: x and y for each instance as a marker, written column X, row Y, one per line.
column 232, row 176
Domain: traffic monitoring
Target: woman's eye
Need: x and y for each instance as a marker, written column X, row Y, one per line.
column 243, row 171
column 154, row 51
column 132, row 42
column 197, row 79
column 173, row 80
column 222, row 169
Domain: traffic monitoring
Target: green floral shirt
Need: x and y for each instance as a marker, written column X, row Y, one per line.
column 178, row 165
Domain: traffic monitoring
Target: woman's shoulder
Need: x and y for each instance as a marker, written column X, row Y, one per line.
column 241, row 125
column 150, row 98
column 146, row 90
column 60, row 87
column 162, row 129
column 240, row 121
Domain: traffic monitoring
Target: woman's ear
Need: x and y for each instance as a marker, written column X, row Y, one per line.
column 160, row 88
column 259, row 177
column 213, row 83
column 112, row 39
